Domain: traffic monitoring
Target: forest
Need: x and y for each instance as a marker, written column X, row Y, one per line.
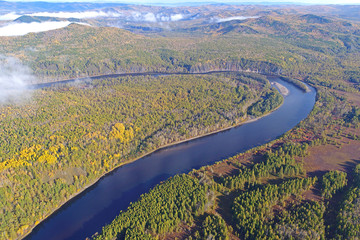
column 259, row 209
column 303, row 185
column 54, row 150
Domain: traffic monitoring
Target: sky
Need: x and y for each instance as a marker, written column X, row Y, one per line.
column 167, row 2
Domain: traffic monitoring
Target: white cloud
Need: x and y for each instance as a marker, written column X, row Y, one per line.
column 233, row 18
column 14, row 78
column 136, row 15
column 142, row 17
column 149, row 17
column 163, row 18
column 80, row 15
column 19, row 29
column 176, row 17
column 9, row 16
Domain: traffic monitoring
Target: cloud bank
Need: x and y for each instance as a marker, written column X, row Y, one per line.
column 79, row 15
column 14, row 78
column 19, row 29
column 233, row 18
column 134, row 16
column 151, row 17
column 9, row 16
column 176, row 17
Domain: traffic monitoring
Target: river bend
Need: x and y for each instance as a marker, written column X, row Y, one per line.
column 101, row 203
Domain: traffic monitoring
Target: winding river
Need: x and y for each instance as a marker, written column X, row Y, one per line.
column 85, row 214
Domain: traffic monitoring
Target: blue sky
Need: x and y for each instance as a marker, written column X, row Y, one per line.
column 165, row 2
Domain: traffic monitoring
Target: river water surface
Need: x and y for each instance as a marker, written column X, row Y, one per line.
column 84, row 215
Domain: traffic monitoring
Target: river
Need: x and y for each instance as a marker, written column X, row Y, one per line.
column 85, row 214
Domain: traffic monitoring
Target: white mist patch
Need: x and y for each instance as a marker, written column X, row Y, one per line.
column 19, row 29
column 151, row 17
column 234, row 18
column 169, row 18
column 176, row 17
column 79, row 15
column 9, row 16
column 14, row 78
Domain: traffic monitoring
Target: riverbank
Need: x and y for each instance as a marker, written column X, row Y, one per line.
column 296, row 83
column 88, row 186
column 218, row 147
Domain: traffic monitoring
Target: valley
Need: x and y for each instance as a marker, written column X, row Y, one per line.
column 146, row 77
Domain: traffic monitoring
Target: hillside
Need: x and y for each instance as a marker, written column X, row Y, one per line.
column 56, row 141
column 287, row 42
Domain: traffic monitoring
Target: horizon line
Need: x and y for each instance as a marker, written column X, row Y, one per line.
column 187, row 3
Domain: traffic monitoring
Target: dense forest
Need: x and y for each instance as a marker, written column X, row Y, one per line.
column 64, row 137
column 259, row 209
column 54, row 149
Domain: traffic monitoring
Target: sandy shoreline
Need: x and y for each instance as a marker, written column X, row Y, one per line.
column 283, row 90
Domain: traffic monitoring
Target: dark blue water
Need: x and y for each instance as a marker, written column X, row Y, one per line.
column 100, row 204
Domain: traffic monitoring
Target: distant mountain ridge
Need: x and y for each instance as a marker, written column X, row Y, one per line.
column 29, row 19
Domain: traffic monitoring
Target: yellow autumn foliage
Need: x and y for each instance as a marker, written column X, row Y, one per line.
column 13, row 163
column 48, row 158
column 22, row 229
column 32, row 154
column 118, row 132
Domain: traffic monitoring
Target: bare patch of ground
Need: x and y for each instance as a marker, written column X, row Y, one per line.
column 183, row 232
column 330, row 157
column 351, row 97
